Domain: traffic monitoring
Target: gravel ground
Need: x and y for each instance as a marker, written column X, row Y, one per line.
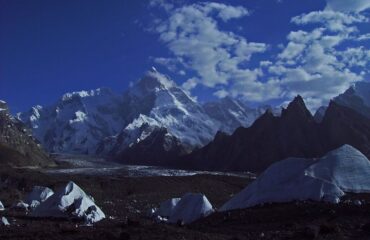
column 125, row 200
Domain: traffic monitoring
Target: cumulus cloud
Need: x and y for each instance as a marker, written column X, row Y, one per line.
column 292, row 50
column 169, row 63
column 190, row 84
column 193, row 35
column 348, row 5
column 315, row 62
column 334, row 21
column 364, row 37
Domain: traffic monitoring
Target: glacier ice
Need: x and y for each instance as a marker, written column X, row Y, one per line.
column 325, row 179
column 70, row 201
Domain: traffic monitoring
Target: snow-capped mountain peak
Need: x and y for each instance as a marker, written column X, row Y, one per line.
column 154, row 108
column 77, row 121
column 156, row 102
column 152, row 81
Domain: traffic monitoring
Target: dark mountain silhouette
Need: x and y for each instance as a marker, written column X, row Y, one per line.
column 294, row 134
column 159, row 148
column 17, row 146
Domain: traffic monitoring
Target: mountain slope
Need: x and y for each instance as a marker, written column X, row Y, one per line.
column 77, row 122
column 157, row 149
column 17, row 146
column 343, row 125
column 356, row 97
column 155, row 103
column 99, row 122
column 231, row 113
column 294, row 134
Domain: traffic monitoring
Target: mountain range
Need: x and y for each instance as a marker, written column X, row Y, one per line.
column 293, row 134
column 156, row 122
column 100, row 122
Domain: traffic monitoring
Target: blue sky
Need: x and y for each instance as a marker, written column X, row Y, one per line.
column 265, row 51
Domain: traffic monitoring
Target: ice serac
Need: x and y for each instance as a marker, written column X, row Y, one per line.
column 357, row 97
column 17, row 146
column 38, row 195
column 167, row 207
column 70, row 201
column 191, row 207
column 328, row 178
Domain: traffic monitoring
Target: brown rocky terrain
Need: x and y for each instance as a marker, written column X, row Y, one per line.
column 17, row 146
column 125, row 201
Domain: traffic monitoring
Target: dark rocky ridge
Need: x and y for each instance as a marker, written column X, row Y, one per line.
column 17, row 146
column 158, row 149
column 294, row 134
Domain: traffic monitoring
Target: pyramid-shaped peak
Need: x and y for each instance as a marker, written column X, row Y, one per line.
column 297, row 107
column 154, row 79
column 298, row 100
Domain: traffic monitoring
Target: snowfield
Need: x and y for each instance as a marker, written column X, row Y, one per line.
column 325, row 179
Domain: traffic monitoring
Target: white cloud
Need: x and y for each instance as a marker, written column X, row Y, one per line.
column 193, row 35
column 221, row 93
column 292, row 50
column 348, row 5
column 333, row 21
column 317, row 69
column 190, row 84
column 313, row 63
column 364, row 37
column 225, row 12
column 356, row 57
column 167, row 5
column 265, row 63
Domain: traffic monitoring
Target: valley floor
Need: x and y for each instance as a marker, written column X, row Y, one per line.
column 126, row 199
